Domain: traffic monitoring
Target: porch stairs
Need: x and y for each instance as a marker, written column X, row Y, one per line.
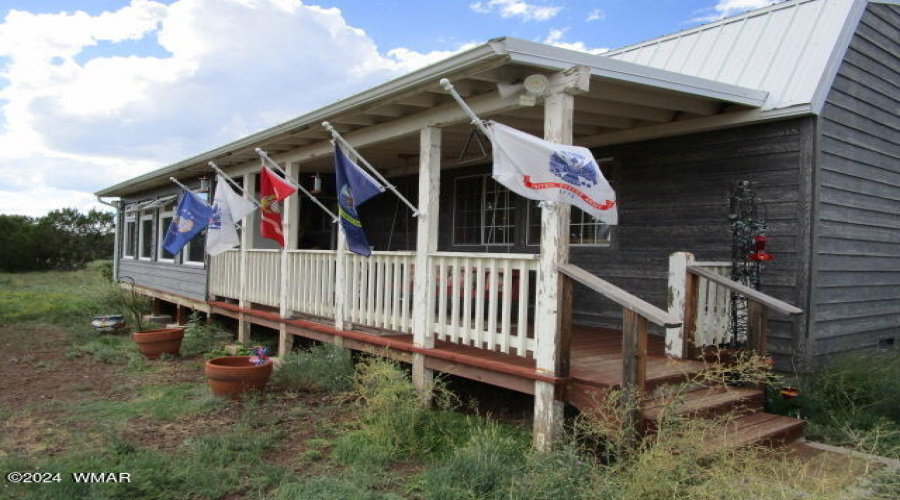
column 747, row 423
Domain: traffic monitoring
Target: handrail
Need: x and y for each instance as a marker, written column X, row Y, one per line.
column 612, row 292
column 478, row 255
column 750, row 293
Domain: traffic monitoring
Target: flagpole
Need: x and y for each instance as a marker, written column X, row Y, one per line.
column 181, row 185
column 235, row 184
column 337, row 137
column 478, row 122
column 265, row 157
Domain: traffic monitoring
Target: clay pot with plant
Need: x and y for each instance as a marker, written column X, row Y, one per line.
column 235, row 376
column 152, row 343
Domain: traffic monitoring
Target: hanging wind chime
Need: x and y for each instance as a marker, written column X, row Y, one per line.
column 748, row 253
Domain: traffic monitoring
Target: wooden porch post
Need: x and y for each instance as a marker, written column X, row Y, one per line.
column 426, row 243
column 676, row 343
column 246, row 244
column 550, row 332
column 290, row 227
column 340, row 286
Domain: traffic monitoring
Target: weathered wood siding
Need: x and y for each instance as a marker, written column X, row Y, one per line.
column 856, row 294
column 673, row 196
column 185, row 280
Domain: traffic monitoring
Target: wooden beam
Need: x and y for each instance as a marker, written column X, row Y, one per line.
column 588, row 104
column 634, row 369
column 757, row 337
column 670, row 101
column 426, row 243
column 291, row 228
column 689, row 318
column 573, row 81
column 389, row 110
column 358, row 119
column 584, row 123
column 420, row 100
column 249, row 185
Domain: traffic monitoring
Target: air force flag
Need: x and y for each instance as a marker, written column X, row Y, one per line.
column 354, row 187
column 191, row 216
column 542, row 170
column 228, row 208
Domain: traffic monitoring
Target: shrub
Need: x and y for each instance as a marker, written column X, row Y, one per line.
column 200, row 338
column 323, row 367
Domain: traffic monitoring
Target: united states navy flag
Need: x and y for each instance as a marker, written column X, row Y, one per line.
column 191, row 216
column 354, row 187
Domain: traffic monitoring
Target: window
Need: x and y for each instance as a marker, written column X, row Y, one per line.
column 146, row 236
column 195, row 250
column 584, row 229
column 129, row 243
column 166, row 214
column 483, row 212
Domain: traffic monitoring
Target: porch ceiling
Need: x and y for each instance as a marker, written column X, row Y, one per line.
column 383, row 123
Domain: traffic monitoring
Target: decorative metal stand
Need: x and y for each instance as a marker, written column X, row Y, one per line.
column 748, row 252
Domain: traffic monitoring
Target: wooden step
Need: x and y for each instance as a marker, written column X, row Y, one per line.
column 757, row 428
column 706, row 402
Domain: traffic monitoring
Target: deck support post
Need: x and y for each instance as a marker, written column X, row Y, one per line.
column 634, row 369
column 426, row 244
column 756, row 338
column 289, row 225
column 247, row 229
column 551, row 326
column 677, row 345
column 181, row 314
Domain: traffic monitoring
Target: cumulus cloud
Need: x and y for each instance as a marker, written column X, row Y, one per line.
column 555, row 38
column 728, row 8
column 226, row 68
column 517, row 8
column 595, row 15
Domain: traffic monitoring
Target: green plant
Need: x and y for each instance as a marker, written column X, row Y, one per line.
column 331, row 488
column 201, row 338
column 323, row 367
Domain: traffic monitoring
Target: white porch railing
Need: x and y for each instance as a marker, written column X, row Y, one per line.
column 263, row 277
column 712, row 310
column 311, row 276
column 482, row 300
column 225, row 274
column 379, row 290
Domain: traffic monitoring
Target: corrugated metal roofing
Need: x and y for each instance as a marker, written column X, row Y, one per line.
column 784, row 49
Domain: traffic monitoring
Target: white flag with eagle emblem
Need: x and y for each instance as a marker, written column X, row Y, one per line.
column 542, row 170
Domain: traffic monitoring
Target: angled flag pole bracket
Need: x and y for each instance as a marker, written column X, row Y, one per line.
column 182, row 186
column 266, row 160
column 234, row 184
column 343, row 142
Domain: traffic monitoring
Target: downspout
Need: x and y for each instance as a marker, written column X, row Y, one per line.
column 117, row 205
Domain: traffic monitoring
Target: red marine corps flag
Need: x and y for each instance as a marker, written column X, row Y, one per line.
column 272, row 189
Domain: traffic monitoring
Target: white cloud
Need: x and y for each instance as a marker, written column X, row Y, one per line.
column 230, row 67
column 555, row 36
column 517, row 8
column 727, row 8
column 596, row 15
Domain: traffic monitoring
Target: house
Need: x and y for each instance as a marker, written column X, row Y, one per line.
column 800, row 98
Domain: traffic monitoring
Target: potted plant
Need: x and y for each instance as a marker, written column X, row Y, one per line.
column 155, row 342
column 234, row 376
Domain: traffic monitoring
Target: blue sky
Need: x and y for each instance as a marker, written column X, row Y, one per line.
column 93, row 92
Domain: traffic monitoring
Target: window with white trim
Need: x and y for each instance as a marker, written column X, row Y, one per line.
column 146, row 230
column 129, row 243
column 484, row 212
column 166, row 214
column 195, row 251
column 584, row 229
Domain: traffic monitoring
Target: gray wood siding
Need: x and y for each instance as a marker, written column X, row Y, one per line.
column 856, row 294
column 673, row 196
column 185, row 280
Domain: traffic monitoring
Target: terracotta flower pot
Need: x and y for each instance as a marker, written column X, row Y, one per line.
column 154, row 343
column 232, row 376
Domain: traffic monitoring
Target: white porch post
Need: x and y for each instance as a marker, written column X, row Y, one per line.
column 678, row 264
column 551, row 324
column 340, row 285
column 246, row 244
column 426, row 243
column 290, row 227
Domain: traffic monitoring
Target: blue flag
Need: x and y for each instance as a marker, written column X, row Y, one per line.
column 354, row 187
column 191, row 216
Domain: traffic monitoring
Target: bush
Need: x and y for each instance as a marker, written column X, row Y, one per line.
column 200, row 338
column 323, row 367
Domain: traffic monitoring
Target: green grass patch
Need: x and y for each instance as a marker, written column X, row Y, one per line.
column 332, row 488
column 161, row 402
column 321, row 368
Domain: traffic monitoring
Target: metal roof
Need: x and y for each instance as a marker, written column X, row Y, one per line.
column 787, row 49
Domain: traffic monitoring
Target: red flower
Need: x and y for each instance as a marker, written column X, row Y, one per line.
column 761, row 256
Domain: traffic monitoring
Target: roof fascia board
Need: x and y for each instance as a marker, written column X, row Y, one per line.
column 837, row 55
column 556, row 59
column 493, row 50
